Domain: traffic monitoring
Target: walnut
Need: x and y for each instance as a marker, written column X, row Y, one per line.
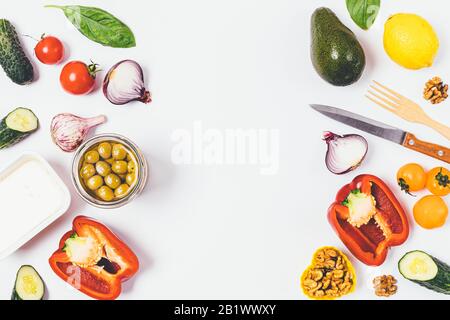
column 320, row 293
column 331, row 253
column 329, row 277
column 347, row 277
column 320, row 257
column 329, row 264
column 319, row 286
column 332, row 292
column 345, row 286
column 385, row 286
column 435, row 91
column 311, row 284
column 338, row 274
column 316, row 275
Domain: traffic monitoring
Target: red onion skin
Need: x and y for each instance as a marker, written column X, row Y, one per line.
column 145, row 97
column 328, row 136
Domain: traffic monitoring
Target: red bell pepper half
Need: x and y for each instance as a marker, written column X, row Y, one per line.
column 368, row 219
column 94, row 260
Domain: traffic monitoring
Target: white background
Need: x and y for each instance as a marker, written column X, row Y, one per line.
column 224, row 232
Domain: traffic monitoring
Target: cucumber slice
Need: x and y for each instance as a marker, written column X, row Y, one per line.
column 28, row 285
column 16, row 126
column 418, row 265
column 22, row 120
column 425, row 270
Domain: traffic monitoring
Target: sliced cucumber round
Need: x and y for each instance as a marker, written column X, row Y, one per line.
column 426, row 270
column 418, row 265
column 22, row 120
column 16, row 126
column 28, row 285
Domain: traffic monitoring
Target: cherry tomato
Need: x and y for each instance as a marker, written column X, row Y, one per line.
column 438, row 181
column 430, row 212
column 78, row 78
column 411, row 177
column 49, row 50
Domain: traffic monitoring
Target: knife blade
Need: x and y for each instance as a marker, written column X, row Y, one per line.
column 384, row 131
column 354, row 120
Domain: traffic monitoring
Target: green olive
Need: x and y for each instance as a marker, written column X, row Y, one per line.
column 131, row 166
column 94, row 182
column 130, row 179
column 92, row 157
column 103, row 168
column 112, row 181
column 120, row 167
column 119, row 152
column 129, row 157
column 122, row 190
column 105, row 150
column 110, row 161
column 87, row 171
column 105, row 193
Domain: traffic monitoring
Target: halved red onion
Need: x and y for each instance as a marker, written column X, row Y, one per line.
column 345, row 153
column 125, row 83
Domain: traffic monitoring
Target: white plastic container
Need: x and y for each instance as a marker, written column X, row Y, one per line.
column 32, row 196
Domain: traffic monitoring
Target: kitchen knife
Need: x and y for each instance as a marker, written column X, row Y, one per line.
column 406, row 139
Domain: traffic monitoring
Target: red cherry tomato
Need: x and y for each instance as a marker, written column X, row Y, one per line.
column 78, row 78
column 49, row 50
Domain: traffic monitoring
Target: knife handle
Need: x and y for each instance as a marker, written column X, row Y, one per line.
column 430, row 149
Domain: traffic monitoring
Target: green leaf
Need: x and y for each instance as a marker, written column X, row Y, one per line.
column 99, row 26
column 363, row 12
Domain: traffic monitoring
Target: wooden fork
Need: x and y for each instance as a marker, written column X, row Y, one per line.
column 404, row 108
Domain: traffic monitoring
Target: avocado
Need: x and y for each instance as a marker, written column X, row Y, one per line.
column 336, row 54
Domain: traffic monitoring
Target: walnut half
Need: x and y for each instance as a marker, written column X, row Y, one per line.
column 385, row 286
column 435, row 91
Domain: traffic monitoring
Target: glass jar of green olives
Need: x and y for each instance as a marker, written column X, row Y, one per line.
column 109, row 171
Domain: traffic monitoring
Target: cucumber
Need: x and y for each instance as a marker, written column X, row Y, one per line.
column 425, row 270
column 13, row 59
column 16, row 126
column 28, row 285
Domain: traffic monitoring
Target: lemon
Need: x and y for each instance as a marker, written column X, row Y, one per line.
column 410, row 41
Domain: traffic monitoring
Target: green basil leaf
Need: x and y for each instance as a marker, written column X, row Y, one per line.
column 363, row 12
column 99, row 26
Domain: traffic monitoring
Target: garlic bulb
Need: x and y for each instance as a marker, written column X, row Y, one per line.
column 69, row 131
column 125, row 83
